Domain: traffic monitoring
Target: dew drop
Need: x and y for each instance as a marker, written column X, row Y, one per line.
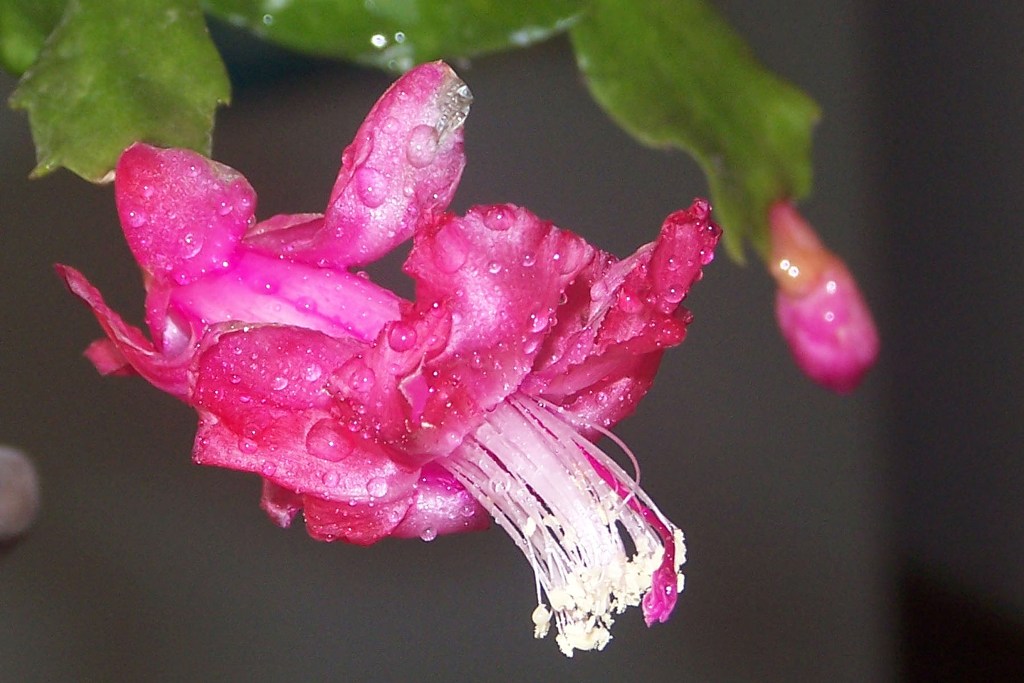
column 136, row 219
column 247, row 445
column 402, row 336
column 371, row 186
column 450, row 251
column 313, row 372
column 279, row 383
column 304, row 303
column 538, row 321
column 493, row 267
column 193, row 244
column 674, row 293
column 326, row 441
column 529, row 258
column 377, row 487
column 379, row 41
column 331, row 479
column 268, row 469
column 223, row 208
column 421, row 149
column 428, row 534
column 498, row 218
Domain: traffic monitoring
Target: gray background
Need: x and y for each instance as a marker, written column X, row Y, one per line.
column 801, row 509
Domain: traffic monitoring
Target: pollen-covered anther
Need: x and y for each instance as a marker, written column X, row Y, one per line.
column 569, row 506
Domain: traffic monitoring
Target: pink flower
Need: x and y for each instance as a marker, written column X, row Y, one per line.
column 380, row 417
column 819, row 308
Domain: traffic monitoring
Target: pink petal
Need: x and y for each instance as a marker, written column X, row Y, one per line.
column 182, row 214
column 401, row 170
column 619, row 317
column 501, row 272
column 442, row 506
column 263, row 289
column 127, row 346
column 360, row 524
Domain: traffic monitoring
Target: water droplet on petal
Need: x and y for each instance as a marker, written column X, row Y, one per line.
column 529, row 259
column 247, row 445
column 371, row 186
column 674, row 293
column 223, row 208
column 428, row 534
column 493, row 267
column 402, row 336
column 279, row 383
column 377, row 487
column 136, row 219
column 538, row 321
column 326, row 441
column 422, row 146
column 313, row 372
column 450, row 250
column 331, row 479
column 268, row 469
column 498, row 218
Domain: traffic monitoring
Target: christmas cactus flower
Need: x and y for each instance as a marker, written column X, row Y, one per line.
column 819, row 307
column 376, row 416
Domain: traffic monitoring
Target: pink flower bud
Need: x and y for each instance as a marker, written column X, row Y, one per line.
column 819, row 308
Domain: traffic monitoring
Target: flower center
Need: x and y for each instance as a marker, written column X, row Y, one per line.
column 569, row 507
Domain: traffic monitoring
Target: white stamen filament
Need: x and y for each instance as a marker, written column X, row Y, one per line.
column 542, row 482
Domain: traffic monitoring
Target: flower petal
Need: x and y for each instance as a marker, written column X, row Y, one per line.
column 501, row 272
column 442, row 506
column 264, row 289
column 401, row 170
column 619, row 317
column 127, row 349
column 182, row 214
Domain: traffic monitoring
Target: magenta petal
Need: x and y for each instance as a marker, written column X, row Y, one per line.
column 401, row 169
column 357, row 523
column 280, row 504
column 127, row 346
column 501, row 271
column 441, row 506
column 182, row 214
column 263, row 289
column 620, row 316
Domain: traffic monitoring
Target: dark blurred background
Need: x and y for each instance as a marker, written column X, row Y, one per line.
column 867, row 538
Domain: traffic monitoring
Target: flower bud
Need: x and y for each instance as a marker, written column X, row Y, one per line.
column 819, row 308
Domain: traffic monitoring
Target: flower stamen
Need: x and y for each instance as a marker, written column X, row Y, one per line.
column 569, row 506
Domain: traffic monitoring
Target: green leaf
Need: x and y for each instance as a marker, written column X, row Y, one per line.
column 672, row 72
column 397, row 34
column 24, row 25
column 117, row 71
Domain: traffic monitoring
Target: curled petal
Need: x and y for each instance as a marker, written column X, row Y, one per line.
column 263, row 289
column 401, row 170
column 819, row 308
column 618, row 318
column 501, row 272
column 183, row 214
column 127, row 349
